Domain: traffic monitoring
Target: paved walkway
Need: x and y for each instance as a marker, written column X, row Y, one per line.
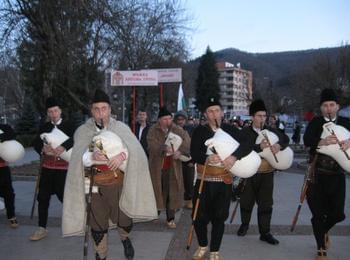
column 156, row 241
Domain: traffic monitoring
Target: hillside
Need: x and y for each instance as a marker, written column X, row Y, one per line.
column 276, row 70
column 275, row 65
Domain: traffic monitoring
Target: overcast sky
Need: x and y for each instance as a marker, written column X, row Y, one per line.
column 268, row 25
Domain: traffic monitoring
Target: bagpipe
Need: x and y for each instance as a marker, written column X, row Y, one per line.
column 110, row 145
column 281, row 160
column 224, row 145
column 174, row 141
column 55, row 138
column 11, row 150
column 333, row 150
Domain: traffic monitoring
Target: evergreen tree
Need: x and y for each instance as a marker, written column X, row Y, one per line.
column 207, row 84
column 28, row 123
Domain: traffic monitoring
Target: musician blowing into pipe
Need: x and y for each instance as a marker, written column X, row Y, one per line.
column 259, row 187
column 120, row 169
column 326, row 195
column 215, row 193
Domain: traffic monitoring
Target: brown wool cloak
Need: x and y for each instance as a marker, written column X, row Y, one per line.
column 155, row 140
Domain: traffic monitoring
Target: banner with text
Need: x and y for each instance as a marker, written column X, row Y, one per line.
column 134, row 78
column 169, row 75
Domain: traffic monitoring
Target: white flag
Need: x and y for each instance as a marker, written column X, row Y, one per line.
column 181, row 103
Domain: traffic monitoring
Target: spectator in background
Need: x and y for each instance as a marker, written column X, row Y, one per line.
column 274, row 122
column 190, row 122
column 296, row 134
column 309, row 115
column 236, row 123
column 141, row 129
column 246, row 123
column 202, row 120
column 187, row 167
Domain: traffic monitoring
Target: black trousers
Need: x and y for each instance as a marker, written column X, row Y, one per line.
column 188, row 176
column 258, row 189
column 213, row 207
column 52, row 181
column 326, row 199
column 7, row 192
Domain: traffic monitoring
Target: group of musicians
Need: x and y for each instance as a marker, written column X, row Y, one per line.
column 101, row 189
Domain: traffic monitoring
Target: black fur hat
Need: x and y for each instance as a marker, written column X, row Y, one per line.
column 163, row 111
column 51, row 102
column 100, row 96
column 328, row 94
column 255, row 106
column 212, row 101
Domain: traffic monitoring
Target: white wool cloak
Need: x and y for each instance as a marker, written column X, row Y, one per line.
column 137, row 199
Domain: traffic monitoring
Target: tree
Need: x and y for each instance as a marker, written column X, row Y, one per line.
column 28, row 123
column 10, row 89
column 144, row 32
column 343, row 75
column 207, row 84
column 322, row 72
column 65, row 46
column 54, row 47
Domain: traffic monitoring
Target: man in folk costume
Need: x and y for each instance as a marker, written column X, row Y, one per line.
column 165, row 166
column 6, row 188
column 259, row 188
column 116, row 202
column 326, row 193
column 216, row 194
column 53, row 168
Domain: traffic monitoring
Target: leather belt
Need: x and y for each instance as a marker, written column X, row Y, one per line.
column 327, row 165
column 214, row 173
column 265, row 167
column 107, row 177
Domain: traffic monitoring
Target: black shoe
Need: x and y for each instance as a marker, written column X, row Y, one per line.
column 242, row 231
column 269, row 239
column 128, row 249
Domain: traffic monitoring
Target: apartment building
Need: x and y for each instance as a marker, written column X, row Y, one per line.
column 236, row 87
